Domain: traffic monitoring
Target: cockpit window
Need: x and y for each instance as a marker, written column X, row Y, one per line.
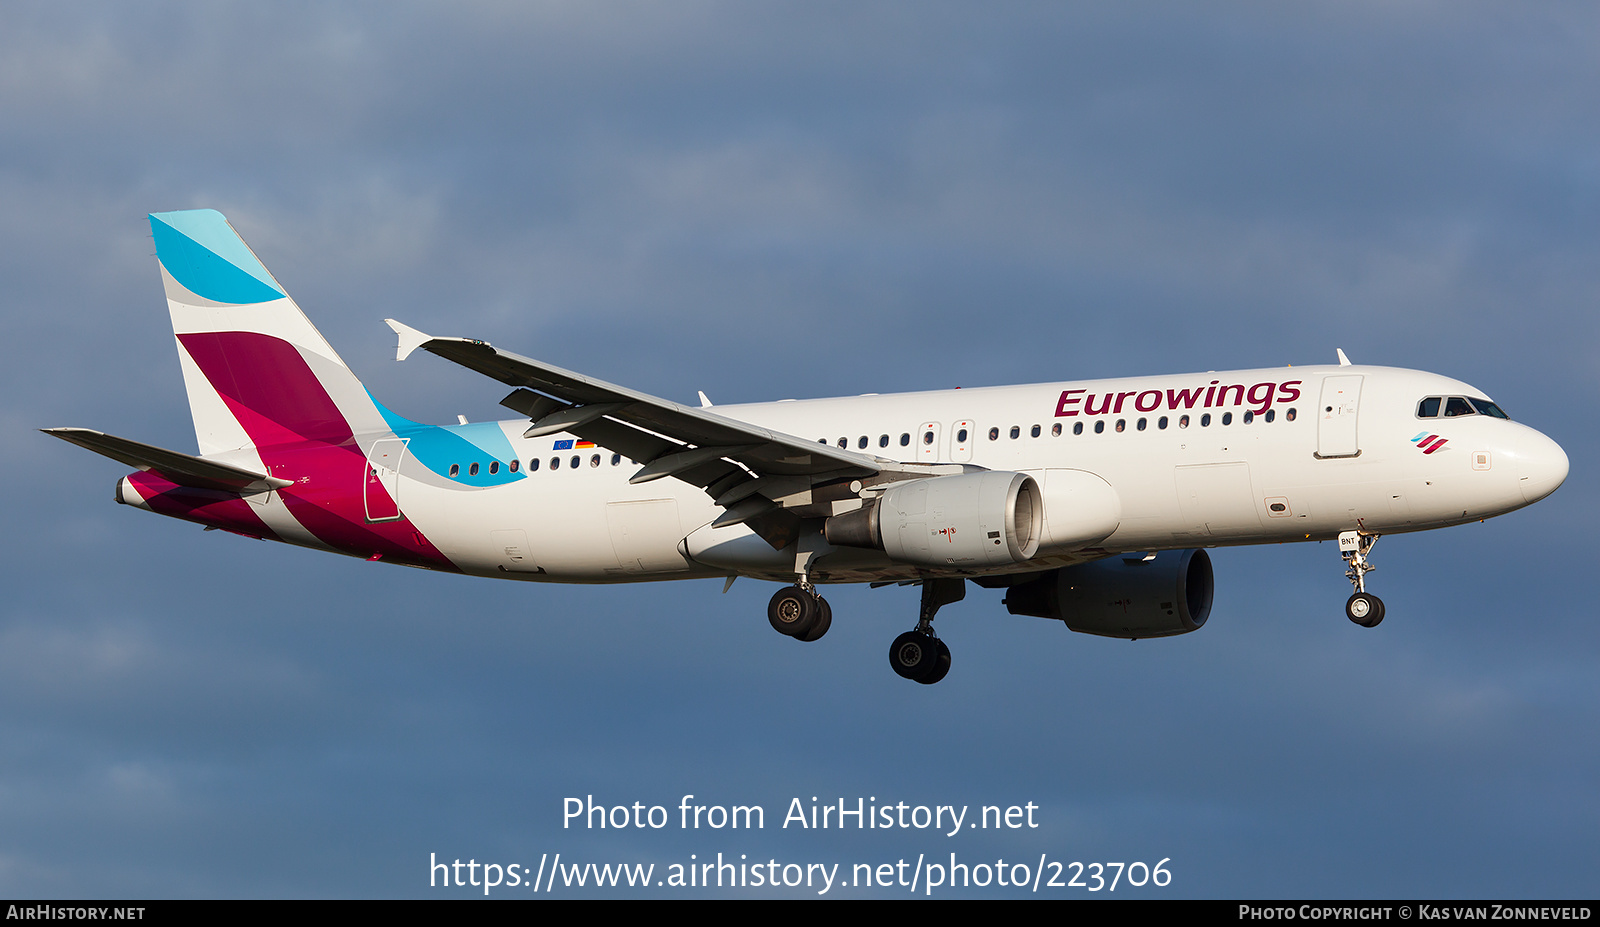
column 1456, row 406
column 1485, row 407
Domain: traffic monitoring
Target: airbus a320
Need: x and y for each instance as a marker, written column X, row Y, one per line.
column 1089, row 502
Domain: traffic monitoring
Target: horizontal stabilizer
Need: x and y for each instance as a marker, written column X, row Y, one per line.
column 183, row 469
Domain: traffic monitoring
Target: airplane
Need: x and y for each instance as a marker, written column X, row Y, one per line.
column 1089, row 502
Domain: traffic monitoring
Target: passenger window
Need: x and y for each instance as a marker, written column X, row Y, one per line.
column 1289, row 415
column 1141, row 424
column 994, row 434
column 1183, row 421
column 861, row 443
column 555, row 463
column 514, row 464
column 844, row 442
column 573, row 463
column 1055, row 430
column 533, row 464
column 927, row 438
column 1100, row 427
column 1015, row 432
column 905, row 439
column 1077, row 428
column 1121, row 424
column 473, row 469
column 1456, row 405
column 1205, row 420
column 883, row 440
column 1161, row 423
column 1428, row 408
column 1035, row 432
column 1227, row 418
column 616, row 459
column 1249, row 417
column 494, row 467
column 594, row 461
column 455, row 469
column 961, row 436
column 1271, row 414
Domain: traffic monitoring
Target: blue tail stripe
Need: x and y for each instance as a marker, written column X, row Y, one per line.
column 437, row 447
column 201, row 251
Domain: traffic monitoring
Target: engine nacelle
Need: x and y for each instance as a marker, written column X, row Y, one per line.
column 1080, row 508
column 994, row 518
column 1123, row 596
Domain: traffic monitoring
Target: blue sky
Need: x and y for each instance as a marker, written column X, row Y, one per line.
column 793, row 200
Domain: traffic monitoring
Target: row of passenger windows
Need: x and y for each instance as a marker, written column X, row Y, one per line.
column 1452, row 406
column 1077, row 428
column 576, row 461
column 883, row 440
column 573, row 463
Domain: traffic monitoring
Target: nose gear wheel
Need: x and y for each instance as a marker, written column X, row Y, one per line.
column 1363, row 607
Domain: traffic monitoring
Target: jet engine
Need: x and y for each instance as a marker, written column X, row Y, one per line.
column 1128, row 596
column 993, row 518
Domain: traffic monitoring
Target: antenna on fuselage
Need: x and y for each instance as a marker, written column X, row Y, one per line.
column 1343, row 361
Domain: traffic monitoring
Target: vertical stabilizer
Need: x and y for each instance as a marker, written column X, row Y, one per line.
column 256, row 370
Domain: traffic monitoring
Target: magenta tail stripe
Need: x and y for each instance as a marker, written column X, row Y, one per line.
column 268, row 386
column 296, row 428
column 207, row 506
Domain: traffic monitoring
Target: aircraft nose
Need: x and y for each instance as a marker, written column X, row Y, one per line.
column 1543, row 467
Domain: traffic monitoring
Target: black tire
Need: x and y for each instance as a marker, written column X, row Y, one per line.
column 824, row 621
column 1364, row 609
column 914, row 655
column 941, row 666
column 793, row 611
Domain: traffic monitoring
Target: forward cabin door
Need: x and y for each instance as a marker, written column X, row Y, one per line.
column 1336, row 417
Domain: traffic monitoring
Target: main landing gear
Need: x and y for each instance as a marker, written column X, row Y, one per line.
column 799, row 612
column 919, row 655
column 1363, row 607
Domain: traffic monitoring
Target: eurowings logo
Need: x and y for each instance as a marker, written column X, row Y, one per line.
column 1428, row 443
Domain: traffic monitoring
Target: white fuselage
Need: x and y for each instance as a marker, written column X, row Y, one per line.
column 1338, row 451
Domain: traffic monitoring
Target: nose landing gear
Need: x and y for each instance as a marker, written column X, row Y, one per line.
column 1363, row 607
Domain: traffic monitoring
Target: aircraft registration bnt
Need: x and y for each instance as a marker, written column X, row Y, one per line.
column 1092, row 503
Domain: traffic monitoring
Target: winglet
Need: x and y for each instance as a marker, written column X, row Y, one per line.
column 1343, row 361
column 410, row 339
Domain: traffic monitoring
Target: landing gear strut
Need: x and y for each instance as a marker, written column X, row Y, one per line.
column 799, row 612
column 920, row 655
column 1363, row 607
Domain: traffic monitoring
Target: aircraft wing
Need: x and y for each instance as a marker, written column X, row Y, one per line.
column 183, row 469
column 755, row 472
